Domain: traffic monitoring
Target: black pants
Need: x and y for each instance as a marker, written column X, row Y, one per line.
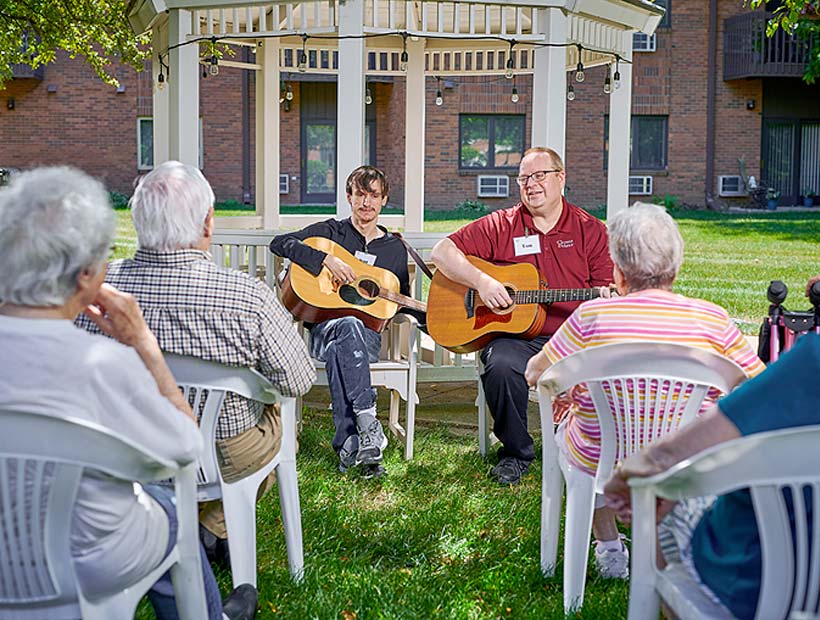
column 506, row 390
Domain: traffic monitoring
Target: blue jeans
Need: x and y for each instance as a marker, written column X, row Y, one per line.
column 347, row 348
column 161, row 595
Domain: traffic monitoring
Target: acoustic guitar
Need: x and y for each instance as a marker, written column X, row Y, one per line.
column 458, row 320
column 373, row 296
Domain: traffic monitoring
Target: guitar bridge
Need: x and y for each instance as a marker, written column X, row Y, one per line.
column 469, row 303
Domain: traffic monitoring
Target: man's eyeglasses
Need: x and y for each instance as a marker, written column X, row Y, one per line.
column 537, row 176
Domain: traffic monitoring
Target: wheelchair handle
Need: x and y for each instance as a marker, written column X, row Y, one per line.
column 777, row 292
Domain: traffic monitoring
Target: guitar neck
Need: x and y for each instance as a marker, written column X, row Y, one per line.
column 403, row 300
column 552, row 295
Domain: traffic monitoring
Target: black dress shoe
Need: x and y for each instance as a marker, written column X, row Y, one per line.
column 216, row 549
column 509, row 470
column 241, row 603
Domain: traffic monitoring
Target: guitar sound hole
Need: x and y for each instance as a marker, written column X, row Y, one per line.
column 353, row 296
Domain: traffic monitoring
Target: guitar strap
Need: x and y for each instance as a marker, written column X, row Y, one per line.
column 418, row 259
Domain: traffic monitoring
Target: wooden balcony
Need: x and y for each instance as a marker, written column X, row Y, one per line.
column 749, row 53
column 23, row 71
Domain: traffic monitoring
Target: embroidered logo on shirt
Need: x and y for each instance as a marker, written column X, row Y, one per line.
column 566, row 243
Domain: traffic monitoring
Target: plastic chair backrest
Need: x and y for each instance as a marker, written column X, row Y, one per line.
column 42, row 458
column 627, row 380
column 205, row 385
column 773, row 465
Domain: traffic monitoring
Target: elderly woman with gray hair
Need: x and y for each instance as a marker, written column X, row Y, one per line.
column 647, row 252
column 56, row 227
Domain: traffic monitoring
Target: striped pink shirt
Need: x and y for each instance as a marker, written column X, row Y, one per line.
column 652, row 315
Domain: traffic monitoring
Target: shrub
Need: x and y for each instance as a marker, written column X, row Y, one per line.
column 118, row 200
column 472, row 208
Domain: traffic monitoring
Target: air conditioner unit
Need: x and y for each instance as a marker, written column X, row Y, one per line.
column 284, row 184
column 640, row 186
column 731, row 185
column 644, row 42
column 493, row 186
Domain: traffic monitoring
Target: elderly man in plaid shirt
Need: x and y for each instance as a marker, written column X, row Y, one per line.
column 197, row 308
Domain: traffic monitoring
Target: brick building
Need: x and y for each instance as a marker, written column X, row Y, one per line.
column 764, row 117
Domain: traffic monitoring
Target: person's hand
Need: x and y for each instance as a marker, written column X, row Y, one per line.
column 536, row 366
column 616, row 490
column 493, row 293
column 339, row 269
column 118, row 315
column 811, row 283
column 607, row 291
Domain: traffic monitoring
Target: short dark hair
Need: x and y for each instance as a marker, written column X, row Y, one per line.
column 362, row 178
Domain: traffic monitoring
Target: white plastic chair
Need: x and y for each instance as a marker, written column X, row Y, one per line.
column 769, row 464
column 396, row 372
column 618, row 376
column 46, row 456
column 207, row 383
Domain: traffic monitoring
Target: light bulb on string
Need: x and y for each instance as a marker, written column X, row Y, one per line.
column 510, row 62
column 160, row 81
column 289, row 92
column 571, row 92
column 514, row 97
column 204, row 72
column 368, row 98
column 403, row 59
column 608, row 81
column 303, row 59
column 439, row 98
column 579, row 69
column 616, row 79
column 214, row 70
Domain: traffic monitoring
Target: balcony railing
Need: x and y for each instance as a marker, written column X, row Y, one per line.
column 749, row 53
column 24, row 71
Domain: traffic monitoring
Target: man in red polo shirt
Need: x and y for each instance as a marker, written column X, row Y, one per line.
column 568, row 247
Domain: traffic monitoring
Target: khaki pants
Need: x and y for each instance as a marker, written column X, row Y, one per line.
column 241, row 456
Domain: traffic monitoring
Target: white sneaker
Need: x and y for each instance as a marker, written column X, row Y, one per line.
column 612, row 563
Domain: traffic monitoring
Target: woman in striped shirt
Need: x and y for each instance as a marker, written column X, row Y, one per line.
column 647, row 251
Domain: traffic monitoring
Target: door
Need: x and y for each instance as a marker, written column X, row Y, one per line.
column 791, row 158
column 319, row 162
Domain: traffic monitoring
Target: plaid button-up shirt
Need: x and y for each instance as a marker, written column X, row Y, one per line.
column 222, row 315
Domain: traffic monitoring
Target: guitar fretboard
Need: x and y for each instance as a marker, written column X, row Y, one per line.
column 550, row 295
column 407, row 302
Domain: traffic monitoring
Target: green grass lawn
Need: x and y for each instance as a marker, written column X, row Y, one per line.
column 435, row 538
column 729, row 259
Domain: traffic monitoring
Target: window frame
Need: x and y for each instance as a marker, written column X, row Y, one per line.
column 490, row 140
column 635, row 170
column 143, row 167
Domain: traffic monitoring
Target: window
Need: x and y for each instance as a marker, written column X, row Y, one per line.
column 666, row 20
column 647, row 143
column 145, row 143
column 491, row 141
column 493, row 186
column 643, row 42
column 284, row 184
column 640, row 186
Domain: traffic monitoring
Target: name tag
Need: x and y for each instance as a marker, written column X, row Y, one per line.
column 524, row 246
column 366, row 257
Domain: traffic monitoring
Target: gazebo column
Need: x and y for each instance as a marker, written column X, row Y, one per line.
column 161, row 112
column 414, row 115
column 549, row 87
column 351, row 87
column 267, row 133
column 620, row 104
column 183, row 90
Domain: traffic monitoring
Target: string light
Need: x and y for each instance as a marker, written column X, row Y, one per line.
column 579, row 70
column 404, row 59
column 608, row 81
column 368, row 99
column 570, row 91
column 510, row 63
column 289, row 92
column 163, row 68
column 214, row 65
column 514, row 96
column 302, row 65
column 204, row 72
column 616, row 79
column 439, row 98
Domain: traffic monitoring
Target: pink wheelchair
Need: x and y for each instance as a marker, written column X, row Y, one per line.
column 782, row 327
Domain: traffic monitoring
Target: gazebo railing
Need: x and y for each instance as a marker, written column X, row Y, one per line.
column 247, row 250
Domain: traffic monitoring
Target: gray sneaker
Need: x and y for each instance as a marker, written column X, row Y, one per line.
column 371, row 440
column 348, row 453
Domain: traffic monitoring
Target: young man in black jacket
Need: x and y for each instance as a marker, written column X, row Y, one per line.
column 344, row 344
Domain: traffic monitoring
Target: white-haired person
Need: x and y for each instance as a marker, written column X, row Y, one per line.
column 200, row 309
column 56, row 227
column 647, row 253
